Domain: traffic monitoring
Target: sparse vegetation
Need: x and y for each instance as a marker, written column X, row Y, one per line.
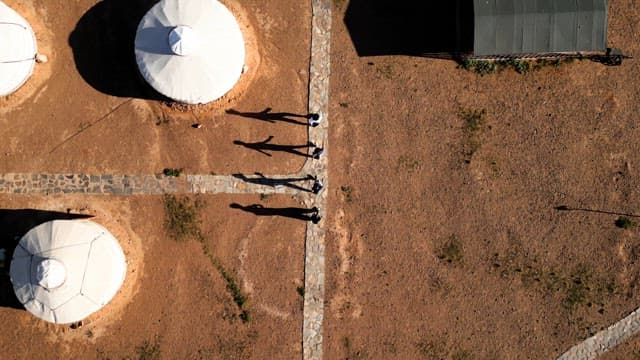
column 433, row 350
column 409, row 164
column 577, row 287
column 182, row 223
column 626, row 223
column 172, row 172
column 451, row 252
column 474, row 121
column 521, row 66
column 386, row 70
column 480, row 67
column 264, row 197
column 149, row 350
column 347, row 191
column 300, row 290
column 182, row 218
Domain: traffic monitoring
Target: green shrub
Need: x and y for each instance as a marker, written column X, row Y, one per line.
column 172, row 172
column 625, row 223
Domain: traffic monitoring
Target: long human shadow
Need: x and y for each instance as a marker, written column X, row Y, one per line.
column 263, row 180
column 14, row 224
column 568, row 208
column 438, row 29
column 103, row 48
column 272, row 117
column 266, row 145
column 290, row 212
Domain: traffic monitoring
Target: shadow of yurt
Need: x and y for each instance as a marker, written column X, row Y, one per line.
column 14, row 224
column 102, row 44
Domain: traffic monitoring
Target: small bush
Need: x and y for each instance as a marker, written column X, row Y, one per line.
column 149, row 350
column 520, row 66
column 473, row 119
column 480, row 67
column 172, row 172
column 451, row 252
column 347, row 191
column 626, row 223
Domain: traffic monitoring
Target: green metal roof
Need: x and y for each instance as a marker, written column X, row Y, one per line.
column 539, row 26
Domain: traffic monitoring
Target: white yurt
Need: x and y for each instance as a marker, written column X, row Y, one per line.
column 17, row 50
column 191, row 51
column 64, row 270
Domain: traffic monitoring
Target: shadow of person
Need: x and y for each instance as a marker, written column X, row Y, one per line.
column 14, row 224
column 103, row 48
column 266, row 145
column 260, row 179
column 290, row 212
column 272, row 117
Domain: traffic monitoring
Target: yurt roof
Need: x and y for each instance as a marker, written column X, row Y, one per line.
column 17, row 50
column 64, row 270
column 190, row 50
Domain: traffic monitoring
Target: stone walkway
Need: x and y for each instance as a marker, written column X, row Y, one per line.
column 606, row 339
column 113, row 184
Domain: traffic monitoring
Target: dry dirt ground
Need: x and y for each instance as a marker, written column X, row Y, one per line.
column 444, row 241
column 87, row 109
column 174, row 299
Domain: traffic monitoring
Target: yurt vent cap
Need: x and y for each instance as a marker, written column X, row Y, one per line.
column 183, row 40
column 51, row 274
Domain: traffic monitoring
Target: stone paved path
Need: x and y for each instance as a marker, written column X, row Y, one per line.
column 124, row 184
column 606, row 339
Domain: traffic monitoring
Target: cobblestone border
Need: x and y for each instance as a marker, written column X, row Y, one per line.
column 313, row 311
column 314, row 246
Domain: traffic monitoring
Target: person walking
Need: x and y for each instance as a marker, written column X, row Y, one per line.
column 314, row 120
column 317, row 186
column 317, row 153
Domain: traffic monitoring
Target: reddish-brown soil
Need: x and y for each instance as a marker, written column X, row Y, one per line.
column 77, row 114
column 173, row 295
column 628, row 350
column 444, row 240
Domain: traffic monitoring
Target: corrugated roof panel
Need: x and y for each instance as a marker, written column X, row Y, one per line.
column 563, row 26
column 541, row 33
column 505, row 25
column 528, row 22
column 525, row 26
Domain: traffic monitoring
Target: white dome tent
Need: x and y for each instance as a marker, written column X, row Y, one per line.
column 64, row 270
column 18, row 50
column 191, row 51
